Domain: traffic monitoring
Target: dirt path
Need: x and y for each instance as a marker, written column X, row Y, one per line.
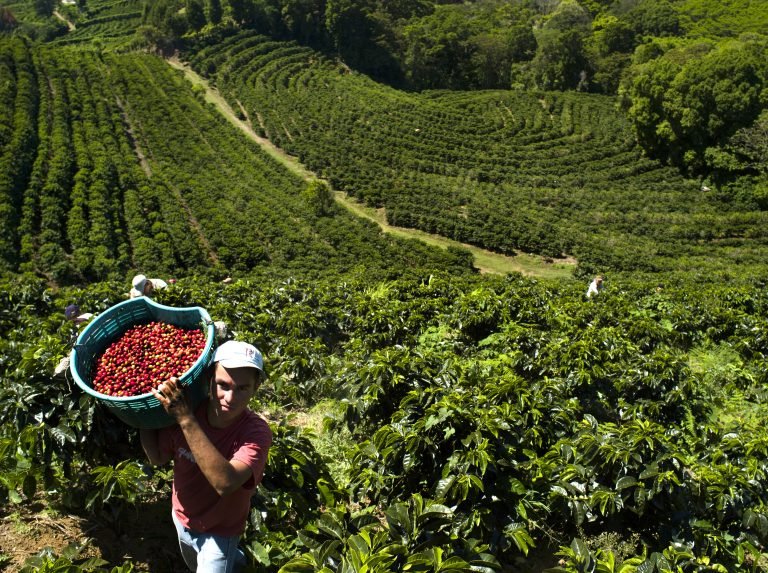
column 485, row 261
column 213, row 96
column 69, row 24
column 132, row 139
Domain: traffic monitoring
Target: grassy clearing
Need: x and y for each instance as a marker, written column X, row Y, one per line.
column 730, row 385
column 485, row 261
column 329, row 442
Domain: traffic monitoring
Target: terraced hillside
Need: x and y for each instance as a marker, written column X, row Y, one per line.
column 426, row 418
column 113, row 162
column 551, row 173
column 113, row 22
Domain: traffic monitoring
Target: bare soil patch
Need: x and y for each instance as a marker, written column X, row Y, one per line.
column 144, row 536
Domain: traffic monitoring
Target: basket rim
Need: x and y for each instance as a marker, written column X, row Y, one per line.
column 183, row 378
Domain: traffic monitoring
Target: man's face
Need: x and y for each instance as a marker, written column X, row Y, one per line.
column 231, row 390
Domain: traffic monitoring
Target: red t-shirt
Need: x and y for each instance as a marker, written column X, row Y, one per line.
column 197, row 505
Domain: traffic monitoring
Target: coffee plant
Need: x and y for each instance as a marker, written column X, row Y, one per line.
column 547, row 172
column 480, row 437
column 485, row 423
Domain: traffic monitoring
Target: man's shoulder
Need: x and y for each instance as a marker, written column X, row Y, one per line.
column 252, row 417
column 254, row 424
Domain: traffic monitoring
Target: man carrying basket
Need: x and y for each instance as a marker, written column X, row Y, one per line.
column 219, row 453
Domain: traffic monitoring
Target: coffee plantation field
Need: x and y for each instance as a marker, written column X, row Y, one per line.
column 93, row 185
column 484, row 422
column 548, row 172
column 427, row 417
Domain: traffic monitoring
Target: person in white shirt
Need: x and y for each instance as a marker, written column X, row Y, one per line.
column 595, row 286
column 142, row 286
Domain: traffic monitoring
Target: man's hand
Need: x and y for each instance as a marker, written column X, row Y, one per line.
column 171, row 396
column 224, row 476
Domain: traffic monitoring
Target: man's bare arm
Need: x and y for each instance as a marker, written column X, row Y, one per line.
column 225, row 476
column 151, row 448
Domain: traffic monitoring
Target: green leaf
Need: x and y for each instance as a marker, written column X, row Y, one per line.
column 301, row 564
column 91, row 498
column 326, row 494
column 329, row 525
column 453, row 565
column 444, row 486
column 662, row 564
column 399, row 518
column 650, row 471
column 579, row 511
column 646, row 567
column 559, row 490
column 625, row 482
column 520, row 536
column 434, row 517
column 606, row 562
column 640, row 496
column 580, row 548
column 517, row 487
column 260, row 553
column 92, row 563
column 63, row 434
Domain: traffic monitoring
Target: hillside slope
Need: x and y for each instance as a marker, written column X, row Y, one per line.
column 552, row 173
column 113, row 162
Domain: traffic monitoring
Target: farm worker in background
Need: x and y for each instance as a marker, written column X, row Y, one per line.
column 72, row 312
column 595, row 286
column 142, row 286
column 219, row 453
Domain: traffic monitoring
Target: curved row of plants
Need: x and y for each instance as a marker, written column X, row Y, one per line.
column 479, row 423
column 106, row 22
column 547, row 172
column 94, row 185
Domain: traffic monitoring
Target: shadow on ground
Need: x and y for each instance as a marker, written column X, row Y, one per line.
column 144, row 535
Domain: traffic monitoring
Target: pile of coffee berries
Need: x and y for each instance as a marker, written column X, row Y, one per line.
column 145, row 356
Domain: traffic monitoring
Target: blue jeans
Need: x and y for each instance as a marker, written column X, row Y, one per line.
column 207, row 553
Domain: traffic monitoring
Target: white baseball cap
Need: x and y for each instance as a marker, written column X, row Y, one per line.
column 138, row 282
column 237, row 354
column 137, row 286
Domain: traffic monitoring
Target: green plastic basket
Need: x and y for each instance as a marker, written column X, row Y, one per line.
column 143, row 411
